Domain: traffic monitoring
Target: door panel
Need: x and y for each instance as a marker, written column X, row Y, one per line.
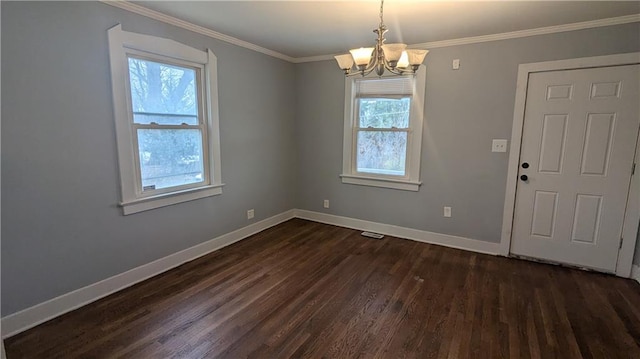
column 597, row 144
column 552, row 144
column 586, row 218
column 544, row 214
column 579, row 139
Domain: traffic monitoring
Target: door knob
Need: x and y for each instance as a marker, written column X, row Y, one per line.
column 525, row 165
column 524, row 177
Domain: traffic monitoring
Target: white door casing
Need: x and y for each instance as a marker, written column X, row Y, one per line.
column 580, row 149
column 579, row 140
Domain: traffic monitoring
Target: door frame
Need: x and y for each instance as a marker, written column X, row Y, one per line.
column 632, row 213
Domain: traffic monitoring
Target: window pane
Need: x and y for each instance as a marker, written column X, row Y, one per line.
column 382, row 152
column 170, row 157
column 163, row 89
column 384, row 112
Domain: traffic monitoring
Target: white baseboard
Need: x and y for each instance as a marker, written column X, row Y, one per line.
column 403, row 232
column 635, row 272
column 40, row 313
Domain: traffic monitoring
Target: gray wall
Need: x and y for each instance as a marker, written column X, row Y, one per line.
column 636, row 258
column 61, row 228
column 464, row 111
column 281, row 127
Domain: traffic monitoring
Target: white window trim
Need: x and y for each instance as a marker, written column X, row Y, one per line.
column 409, row 182
column 122, row 43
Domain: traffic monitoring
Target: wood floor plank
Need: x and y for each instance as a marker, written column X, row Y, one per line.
column 308, row 290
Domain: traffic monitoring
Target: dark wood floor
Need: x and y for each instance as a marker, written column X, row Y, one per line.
column 309, row 290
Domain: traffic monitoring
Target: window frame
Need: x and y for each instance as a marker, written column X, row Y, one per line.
column 122, row 46
column 350, row 174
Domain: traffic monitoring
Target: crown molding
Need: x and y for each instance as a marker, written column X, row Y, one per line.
column 533, row 32
column 141, row 10
column 505, row 35
column 299, row 60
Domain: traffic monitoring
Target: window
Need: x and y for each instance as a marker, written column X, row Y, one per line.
column 383, row 131
column 165, row 106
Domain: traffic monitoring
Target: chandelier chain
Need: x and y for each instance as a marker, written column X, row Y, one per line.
column 381, row 5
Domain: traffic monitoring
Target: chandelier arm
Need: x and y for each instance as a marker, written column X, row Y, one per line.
column 360, row 73
column 398, row 71
column 394, row 71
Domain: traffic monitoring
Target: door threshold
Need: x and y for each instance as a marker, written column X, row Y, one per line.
column 559, row 264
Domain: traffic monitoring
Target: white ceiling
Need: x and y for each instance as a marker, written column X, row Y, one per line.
column 312, row 28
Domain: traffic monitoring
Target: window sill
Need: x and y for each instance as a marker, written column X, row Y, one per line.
column 167, row 199
column 404, row 185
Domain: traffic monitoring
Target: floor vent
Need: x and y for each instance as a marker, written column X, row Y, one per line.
column 373, row 235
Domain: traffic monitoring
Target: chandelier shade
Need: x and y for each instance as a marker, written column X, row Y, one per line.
column 392, row 52
column 416, row 56
column 403, row 63
column 362, row 56
column 394, row 58
column 344, row 61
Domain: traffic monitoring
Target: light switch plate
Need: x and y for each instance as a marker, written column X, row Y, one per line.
column 499, row 146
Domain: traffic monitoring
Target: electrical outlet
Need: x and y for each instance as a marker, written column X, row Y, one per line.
column 455, row 64
column 447, row 211
column 499, row 146
column 250, row 214
column 326, row 203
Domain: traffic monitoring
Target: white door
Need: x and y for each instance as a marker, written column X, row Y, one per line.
column 578, row 144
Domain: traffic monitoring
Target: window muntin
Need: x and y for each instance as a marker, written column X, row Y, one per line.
column 169, row 134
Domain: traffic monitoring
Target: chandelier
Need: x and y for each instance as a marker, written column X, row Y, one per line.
column 394, row 58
